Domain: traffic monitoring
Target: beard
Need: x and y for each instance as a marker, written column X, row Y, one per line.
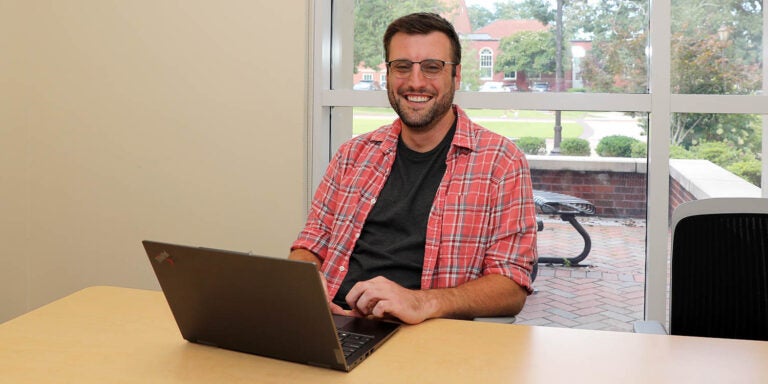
column 422, row 120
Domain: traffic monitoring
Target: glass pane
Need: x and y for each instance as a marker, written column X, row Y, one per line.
column 594, row 279
column 716, row 47
column 714, row 155
column 602, row 161
column 512, row 45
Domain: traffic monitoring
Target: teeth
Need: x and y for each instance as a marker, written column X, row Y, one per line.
column 418, row 99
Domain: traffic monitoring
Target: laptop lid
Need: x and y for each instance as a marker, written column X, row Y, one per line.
column 259, row 305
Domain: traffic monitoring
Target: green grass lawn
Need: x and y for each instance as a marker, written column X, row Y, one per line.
column 486, row 113
column 508, row 123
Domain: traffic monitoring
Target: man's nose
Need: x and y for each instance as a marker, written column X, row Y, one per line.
column 416, row 75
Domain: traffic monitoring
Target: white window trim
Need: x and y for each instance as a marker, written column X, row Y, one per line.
column 480, row 60
column 660, row 103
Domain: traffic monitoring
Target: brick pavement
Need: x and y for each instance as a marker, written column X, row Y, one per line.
column 606, row 293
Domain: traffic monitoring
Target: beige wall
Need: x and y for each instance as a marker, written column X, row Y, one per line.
column 180, row 121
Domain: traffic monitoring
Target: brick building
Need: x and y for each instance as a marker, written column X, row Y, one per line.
column 485, row 43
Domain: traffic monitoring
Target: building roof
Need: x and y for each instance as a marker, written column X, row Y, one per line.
column 478, row 36
column 459, row 17
column 504, row 28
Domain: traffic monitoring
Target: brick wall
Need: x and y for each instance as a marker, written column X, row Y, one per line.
column 618, row 187
column 614, row 194
column 678, row 195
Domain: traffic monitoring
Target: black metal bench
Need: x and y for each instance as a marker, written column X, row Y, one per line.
column 568, row 207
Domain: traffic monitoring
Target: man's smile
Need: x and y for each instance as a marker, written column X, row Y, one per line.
column 418, row 98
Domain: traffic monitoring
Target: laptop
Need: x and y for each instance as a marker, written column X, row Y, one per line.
column 260, row 305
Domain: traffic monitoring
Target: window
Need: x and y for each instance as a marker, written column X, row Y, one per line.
column 716, row 77
column 486, row 63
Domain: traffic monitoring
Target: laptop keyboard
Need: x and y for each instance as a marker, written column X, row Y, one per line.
column 351, row 342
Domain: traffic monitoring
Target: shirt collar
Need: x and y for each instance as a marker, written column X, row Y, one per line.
column 463, row 138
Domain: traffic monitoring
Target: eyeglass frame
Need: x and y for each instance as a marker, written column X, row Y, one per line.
column 421, row 68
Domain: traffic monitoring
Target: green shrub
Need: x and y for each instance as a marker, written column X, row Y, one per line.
column 615, row 146
column 639, row 149
column 748, row 170
column 574, row 146
column 719, row 153
column 531, row 145
column 678, row 152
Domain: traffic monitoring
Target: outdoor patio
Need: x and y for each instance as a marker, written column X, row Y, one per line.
column 606, row 292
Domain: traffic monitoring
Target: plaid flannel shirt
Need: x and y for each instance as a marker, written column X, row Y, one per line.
column 482, row 220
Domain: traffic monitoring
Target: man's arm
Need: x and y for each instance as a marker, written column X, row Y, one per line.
column 302, row 254
column 487, row 296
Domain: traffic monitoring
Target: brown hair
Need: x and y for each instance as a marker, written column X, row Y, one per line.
column 421, row 24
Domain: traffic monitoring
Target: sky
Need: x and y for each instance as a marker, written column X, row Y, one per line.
column 485, row 3
column 489, row 4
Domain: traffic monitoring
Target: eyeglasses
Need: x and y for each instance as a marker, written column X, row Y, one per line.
column 431, row 68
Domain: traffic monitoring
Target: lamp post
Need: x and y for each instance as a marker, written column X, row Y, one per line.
column 558, row 76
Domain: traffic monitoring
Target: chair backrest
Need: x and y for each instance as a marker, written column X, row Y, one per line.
column 719, row 271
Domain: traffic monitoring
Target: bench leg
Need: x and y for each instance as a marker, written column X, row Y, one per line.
column 587, row 244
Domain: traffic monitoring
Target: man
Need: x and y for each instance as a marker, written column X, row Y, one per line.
column 431, row 216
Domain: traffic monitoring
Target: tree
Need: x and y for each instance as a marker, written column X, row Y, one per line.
column 700, row 66
column 742, row 19
column 532, row 52
column 506, row 11
column 479, row 16
column 470, row 68
column 526, row 9
column 539, row 10
column 713, row 52
column 372, row 18
column 617, row 61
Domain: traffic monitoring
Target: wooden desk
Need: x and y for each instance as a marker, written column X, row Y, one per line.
column 120, row 335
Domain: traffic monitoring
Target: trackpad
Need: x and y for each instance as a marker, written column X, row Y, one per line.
column 342, row 321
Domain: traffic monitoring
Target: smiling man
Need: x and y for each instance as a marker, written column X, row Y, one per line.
column 431, row 216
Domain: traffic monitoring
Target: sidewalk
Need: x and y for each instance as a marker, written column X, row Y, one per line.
column 607, row 293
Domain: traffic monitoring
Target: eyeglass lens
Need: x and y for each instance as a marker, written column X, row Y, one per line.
column 430, row 67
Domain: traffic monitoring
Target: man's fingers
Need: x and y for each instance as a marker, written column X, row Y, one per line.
column 337, row 310
column 380, row 308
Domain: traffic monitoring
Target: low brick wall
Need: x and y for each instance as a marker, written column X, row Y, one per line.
column 618, row 186
column 614, row 194
column 701, row 179
column 677, row 195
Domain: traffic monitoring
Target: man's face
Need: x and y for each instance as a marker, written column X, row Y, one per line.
column 422, row 102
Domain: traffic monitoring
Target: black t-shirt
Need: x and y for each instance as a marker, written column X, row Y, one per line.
column 392, row 240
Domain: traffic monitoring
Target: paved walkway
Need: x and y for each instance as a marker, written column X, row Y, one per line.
column 607, row 293
column 601, row 124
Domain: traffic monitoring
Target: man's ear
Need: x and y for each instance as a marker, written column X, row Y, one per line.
column 457, row 75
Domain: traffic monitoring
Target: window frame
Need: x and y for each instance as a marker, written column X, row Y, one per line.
column 485, row 60
column 330, row 117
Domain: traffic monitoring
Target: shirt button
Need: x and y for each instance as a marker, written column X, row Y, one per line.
column 373, row 201
column 341, row 268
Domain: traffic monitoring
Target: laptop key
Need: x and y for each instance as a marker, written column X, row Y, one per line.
column 351, row 342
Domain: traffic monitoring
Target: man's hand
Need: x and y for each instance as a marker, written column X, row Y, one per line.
column 335, row 308
column 383, row 298
column 305, row 255
column 487, row 296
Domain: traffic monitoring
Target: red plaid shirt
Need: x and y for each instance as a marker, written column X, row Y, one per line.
column 482, row 220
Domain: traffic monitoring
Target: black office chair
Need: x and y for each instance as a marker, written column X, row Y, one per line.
column 719, row 269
